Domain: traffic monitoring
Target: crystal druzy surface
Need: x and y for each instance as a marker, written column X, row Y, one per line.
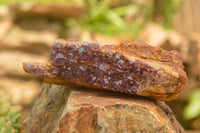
column 131, row 68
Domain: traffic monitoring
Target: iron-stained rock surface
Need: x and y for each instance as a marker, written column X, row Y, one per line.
column 61, row 109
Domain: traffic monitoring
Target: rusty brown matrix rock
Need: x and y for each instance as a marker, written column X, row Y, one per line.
column 131, row 68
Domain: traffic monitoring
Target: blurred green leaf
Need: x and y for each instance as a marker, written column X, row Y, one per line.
column 6, row 99
column 2, row 122
column 101, row 18
column 9, row 116
column 192, row 110
column 17, row 127
column 122, row 10
column 8, row 127
column 36, row 1
column 16, row 118
column 4, row 110
column 13, row 112
column 167, row 12
column 3, row 130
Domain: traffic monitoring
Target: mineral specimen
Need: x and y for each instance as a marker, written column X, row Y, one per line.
column 131, row 68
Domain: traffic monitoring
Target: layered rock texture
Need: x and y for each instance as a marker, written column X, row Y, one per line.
column 62, row 109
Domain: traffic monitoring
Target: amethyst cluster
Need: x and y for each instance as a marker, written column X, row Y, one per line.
column 87, row 63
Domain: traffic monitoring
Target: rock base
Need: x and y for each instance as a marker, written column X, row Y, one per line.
column 61, row 109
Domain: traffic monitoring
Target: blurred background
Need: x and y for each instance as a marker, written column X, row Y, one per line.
column 29, row 27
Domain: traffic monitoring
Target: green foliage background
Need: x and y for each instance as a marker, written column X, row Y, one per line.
column 9, row 116
column 192, row 110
